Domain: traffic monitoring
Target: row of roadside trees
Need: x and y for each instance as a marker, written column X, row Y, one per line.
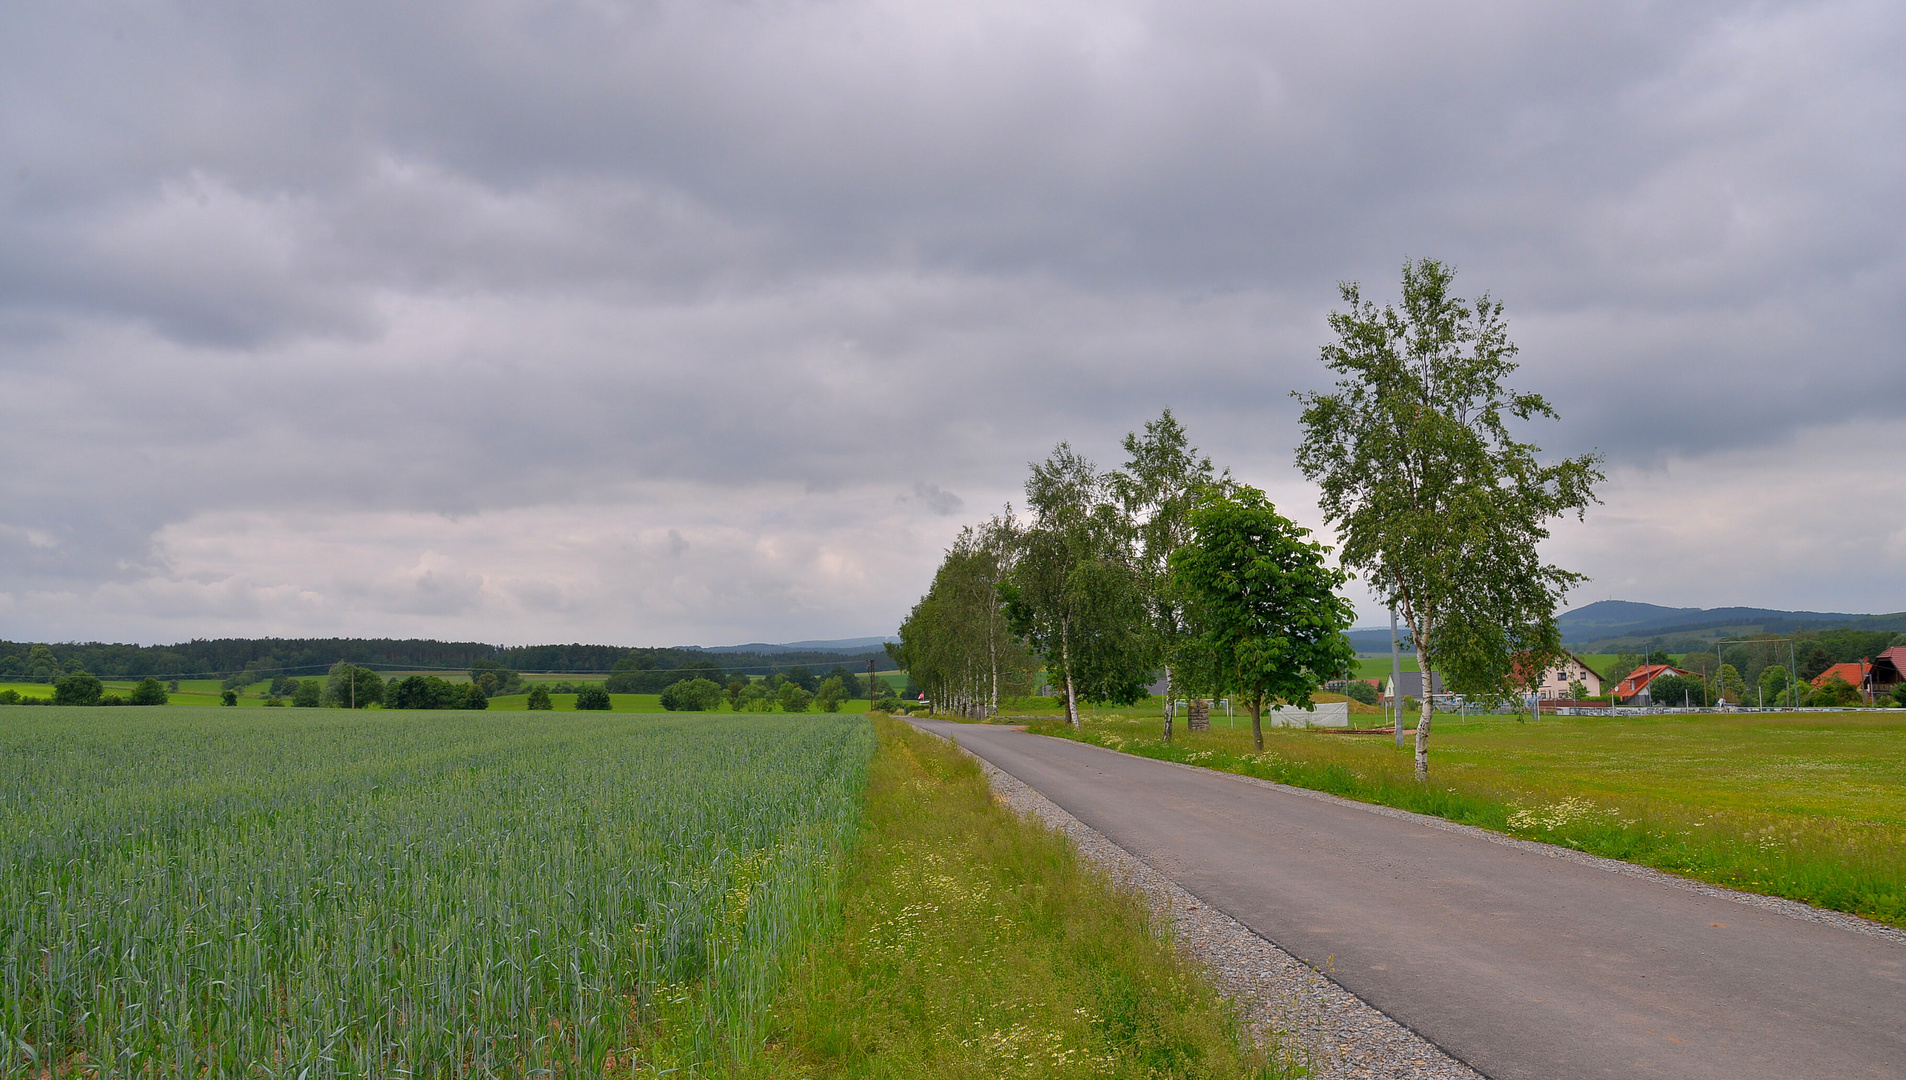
column 1169, row 566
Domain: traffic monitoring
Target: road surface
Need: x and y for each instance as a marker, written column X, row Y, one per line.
column 1523, row 965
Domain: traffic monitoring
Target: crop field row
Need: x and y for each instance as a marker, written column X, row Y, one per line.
column 319, row 893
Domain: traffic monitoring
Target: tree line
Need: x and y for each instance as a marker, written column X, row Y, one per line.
column 1167, row 567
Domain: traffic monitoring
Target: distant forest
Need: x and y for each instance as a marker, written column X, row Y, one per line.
column 221, row 657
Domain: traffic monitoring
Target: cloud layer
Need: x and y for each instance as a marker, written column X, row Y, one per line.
column 665, row 322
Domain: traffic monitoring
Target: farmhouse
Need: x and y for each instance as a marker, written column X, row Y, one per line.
column 1888, row 671
column 1552, row 682
column 1634, row 689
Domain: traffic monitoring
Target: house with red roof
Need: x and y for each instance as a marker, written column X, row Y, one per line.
column 1633, row 690
column 1849, row 673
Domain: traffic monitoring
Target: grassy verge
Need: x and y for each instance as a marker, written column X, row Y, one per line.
column 1808, row 807
column 975, row 944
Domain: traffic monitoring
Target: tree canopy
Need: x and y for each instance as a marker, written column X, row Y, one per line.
column 1435, row 499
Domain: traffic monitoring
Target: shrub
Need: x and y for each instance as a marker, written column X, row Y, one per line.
column 9, row 696
column 1358, row 690
column 149, row 692
column 274, row 703
column 1899, row 693
column 755, row 697
column 691, row 695
column 228, row 697
column 592, row 698
column 539, row 698
column 887, row 703
column 78, row 688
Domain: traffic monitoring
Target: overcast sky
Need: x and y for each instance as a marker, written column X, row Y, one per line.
column 660, row 323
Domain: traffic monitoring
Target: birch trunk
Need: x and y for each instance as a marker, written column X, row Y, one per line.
column 1423, row 728
column 1065, row 657
column 1171, row 703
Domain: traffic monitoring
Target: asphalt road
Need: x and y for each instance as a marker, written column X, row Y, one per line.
column 1524, row 966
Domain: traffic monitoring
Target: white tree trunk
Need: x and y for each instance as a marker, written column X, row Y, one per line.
column 1171, row 703
column 1065, row 656
column 1423, row 728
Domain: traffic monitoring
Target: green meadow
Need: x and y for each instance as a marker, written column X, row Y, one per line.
column 1809, row 806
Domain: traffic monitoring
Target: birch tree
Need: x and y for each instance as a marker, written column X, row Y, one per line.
column 1435, row 500
column 955, row 643
column 1261, row 604
column 1163, row 479
column 1073, row 593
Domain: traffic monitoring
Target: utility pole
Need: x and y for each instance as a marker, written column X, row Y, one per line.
column 1396, row 676
column 872, row 695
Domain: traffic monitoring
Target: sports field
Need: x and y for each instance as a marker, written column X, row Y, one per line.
column 1810, row 806
column 224, row 892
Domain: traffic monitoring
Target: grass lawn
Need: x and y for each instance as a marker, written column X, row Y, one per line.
column 1806, row 806
column 975, row 944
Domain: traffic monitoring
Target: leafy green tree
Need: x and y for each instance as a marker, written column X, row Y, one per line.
column 755, row 697
column 1815, row 663
column 1437, row 503
column 228, row 697
column 77, row 688
column 1899, row 694
column 692, row 695
column 539, row 699
column 1073, row 593
column 850, row 682
column 494, row 678
column 956, row 641
column 1773, row 684
column 1676, row 690
column 41, row 665
column 1730, row 681
column 353, row 687
column 1577, row 690
column 150, row 691
column 1163, row 479
column 282, row 684
column 593, row 699
column 793, row 698
column 309, row 694
column 1267, row 623
column 829, row 697
column 802, row 678
column 733, row 691
column 1659, row 656
column 469, row 696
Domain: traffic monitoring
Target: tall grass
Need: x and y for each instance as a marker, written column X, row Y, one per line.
column 224, row 893
column 975, row 944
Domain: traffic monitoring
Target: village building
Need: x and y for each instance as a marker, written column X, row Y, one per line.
column 1633, row 690
column 1409, row 684
column 1554, row 680
column 1853, row 674
column 1888, row 671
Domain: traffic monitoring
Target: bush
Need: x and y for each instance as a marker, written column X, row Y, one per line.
column 281, row 685
column 1358, row 690
column 539, row 698
column 9, row 696
column 1899, row 693
column 887, row 703
column 691, row 695
column 149, row 692
column 592, row 698
column 228, row 697
column 309, row 694
column 755, row 697
column 793, row 698
column 78, row 688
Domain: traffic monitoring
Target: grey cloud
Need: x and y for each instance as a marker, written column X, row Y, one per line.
column 933, row 499
column 458, row 258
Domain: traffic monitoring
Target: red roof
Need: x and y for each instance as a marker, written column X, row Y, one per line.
column 1851, row 674
column 1638, row 680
